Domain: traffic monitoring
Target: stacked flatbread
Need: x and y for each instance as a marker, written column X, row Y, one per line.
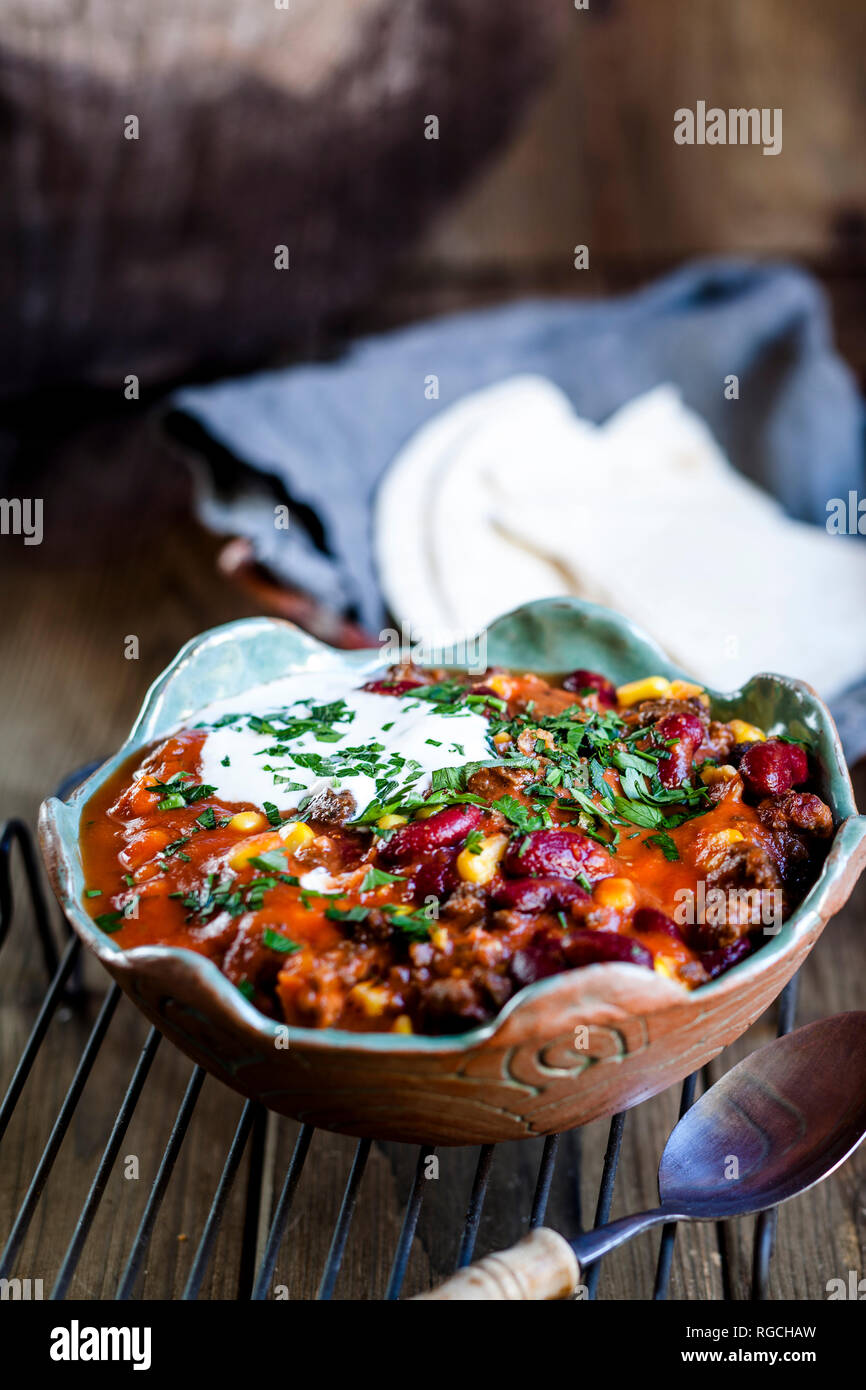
column 508, row 496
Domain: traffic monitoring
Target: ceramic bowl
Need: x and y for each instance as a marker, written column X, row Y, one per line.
column 564, row 1051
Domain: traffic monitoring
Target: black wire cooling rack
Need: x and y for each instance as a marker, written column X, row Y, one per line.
column 256, row 1258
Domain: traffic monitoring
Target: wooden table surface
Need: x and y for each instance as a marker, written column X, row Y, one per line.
column 120, row 557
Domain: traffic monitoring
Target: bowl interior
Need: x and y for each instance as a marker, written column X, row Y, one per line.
column 549, row 635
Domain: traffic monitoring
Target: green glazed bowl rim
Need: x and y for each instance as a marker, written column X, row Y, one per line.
column 619, row 647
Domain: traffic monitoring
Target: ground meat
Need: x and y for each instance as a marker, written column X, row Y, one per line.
column 744, row 867
column 452, row 1006
column 407, row 671
column 505, row 919
column 797, row 811
column 466, row 904
column 650, row 711
column 313, row 991
column 332, row 807
column 376, row 926
column 796, row 822
column 493, row 782
column 733, row 789
column 717, row 744
column 336, row 853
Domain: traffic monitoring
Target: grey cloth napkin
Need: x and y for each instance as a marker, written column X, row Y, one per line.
column 320, row 436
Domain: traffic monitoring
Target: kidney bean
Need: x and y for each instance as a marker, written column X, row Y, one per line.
column 554, row 854
column 542, row 957
column 738, row 752
column 421, row 837
column 676, row 764
column 650, row 919
column 437, row 877
column 536, row 894
column 585, row 947
column 549, row 953
column 581, row 679
column 715, row 962
column 773, row 767
column 391, row 687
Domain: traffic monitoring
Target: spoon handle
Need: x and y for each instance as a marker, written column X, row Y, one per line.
column 543, row 1265
column 591, row 1245
column 540, row 1266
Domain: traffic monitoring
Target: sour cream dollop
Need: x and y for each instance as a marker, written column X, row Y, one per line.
column 374, row 746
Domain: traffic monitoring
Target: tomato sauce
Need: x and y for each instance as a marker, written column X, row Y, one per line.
column 550, row 853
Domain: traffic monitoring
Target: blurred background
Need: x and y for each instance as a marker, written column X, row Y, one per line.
column 150, row 260
column 155, row 162
column 129, row 266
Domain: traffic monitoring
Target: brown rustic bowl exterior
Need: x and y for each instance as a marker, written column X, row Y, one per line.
column 567, row 1050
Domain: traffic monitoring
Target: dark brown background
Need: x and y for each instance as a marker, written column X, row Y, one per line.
column 595, row 163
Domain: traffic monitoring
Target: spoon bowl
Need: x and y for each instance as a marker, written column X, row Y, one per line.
column 774, row 1125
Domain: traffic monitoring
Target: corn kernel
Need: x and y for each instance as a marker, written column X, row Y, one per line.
column 668, row 968
column 502, row 684
column 481, row 867
column 389, row 822
column 372, row 999
column 253, row 845
column 649, row 688
column 247, row 822
column 731, row 836
column 425, row 813
column 501, row 738
column 617, row 893
column 711, row 776
column 439, row 938
column 689, row 690
column 402, row 1024
column 296, row 835
column 747, row 733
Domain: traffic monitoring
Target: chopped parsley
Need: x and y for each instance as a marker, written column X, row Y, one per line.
column 109, row 922
column 377, row 878
column 272, row 861
column 415, row 925
column 175, row 846
column 665, row 843
column 275, row 941
column 517, row 813
column 347, row 914
column 180, row 791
